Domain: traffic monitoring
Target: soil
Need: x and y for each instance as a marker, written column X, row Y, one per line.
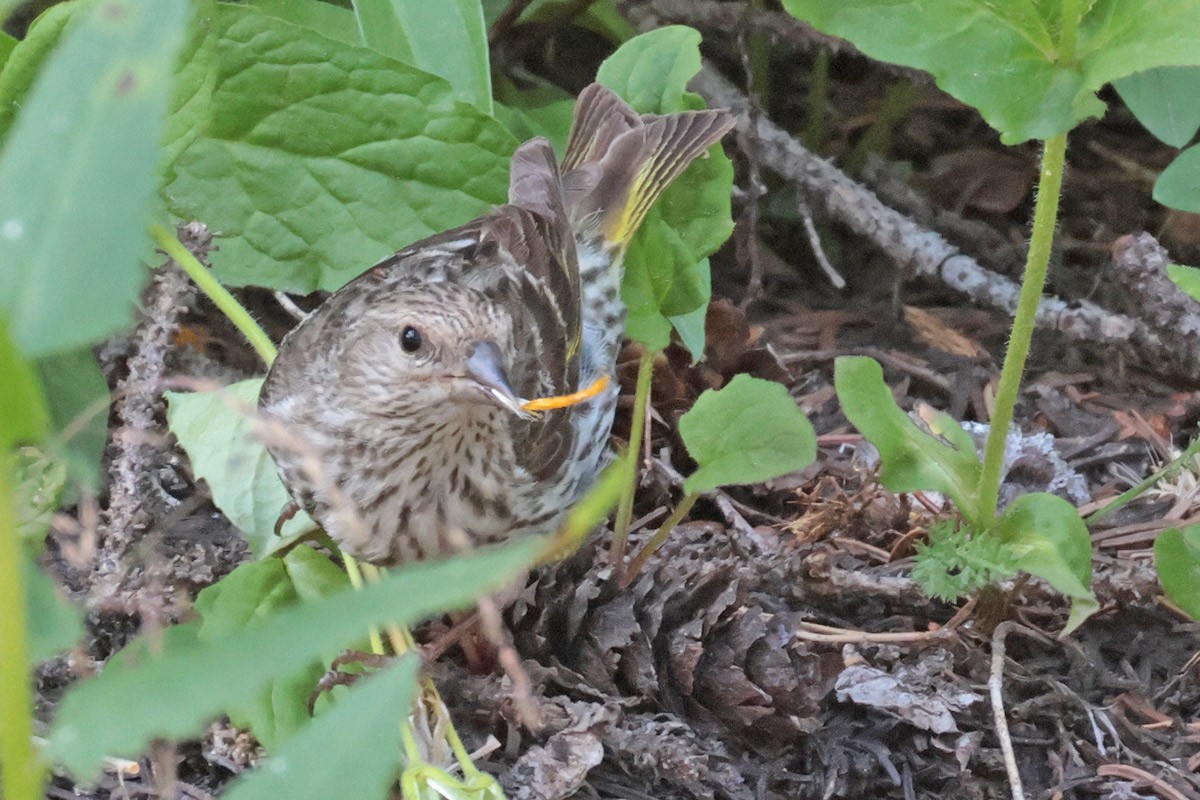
column 777, row 645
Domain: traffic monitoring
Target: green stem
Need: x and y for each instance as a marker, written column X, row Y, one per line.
column 659, row 537
column 818, row 101
column 20, row 772
column 220, row 296
column 1134, row 492
column 1045, row 214
column 637, row 425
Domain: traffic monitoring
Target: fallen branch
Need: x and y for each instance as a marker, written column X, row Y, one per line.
column 924, row 253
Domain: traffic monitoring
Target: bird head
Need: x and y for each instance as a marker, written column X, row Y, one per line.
column 437, row 347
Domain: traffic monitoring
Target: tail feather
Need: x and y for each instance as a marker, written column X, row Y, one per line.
column 618, row 164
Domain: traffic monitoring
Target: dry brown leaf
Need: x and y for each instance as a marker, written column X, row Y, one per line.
column 936, row 334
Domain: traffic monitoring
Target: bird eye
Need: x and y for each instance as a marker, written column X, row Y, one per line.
column 410, row 339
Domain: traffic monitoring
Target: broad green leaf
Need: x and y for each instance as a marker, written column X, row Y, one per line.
column 77, row 398
column 79, row 164
column 446, row 38
column 171, row 693
column 1179, row 184
column 214, row 429
column 543, row 110
column 329, row 20
column 23, row 414
column 661, row 281
column 651, row 71
column 748, row 432
column 1164, row 100
column 691, row 326
column 26, row 59
column 1011, row 60
column 190, row 109
column 350, row 751
column 7, row 45
column 252, row 592
column 912, row 458
column 38, row 482
column 1048, row 539
column 1177, row 557
column 1186, row 278
column 322, row 158
column 53, row 623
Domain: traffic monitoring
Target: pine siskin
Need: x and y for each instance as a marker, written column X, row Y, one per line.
column 408, row 384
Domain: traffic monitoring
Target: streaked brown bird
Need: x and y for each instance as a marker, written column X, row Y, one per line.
column 409, row 383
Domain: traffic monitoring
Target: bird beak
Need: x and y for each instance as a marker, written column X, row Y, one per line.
column 485, row 367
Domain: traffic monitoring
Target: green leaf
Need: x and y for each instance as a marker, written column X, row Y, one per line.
column 77, row 397
column 322, row 158
column 956, row 561
column 80, row 166
column 1177, row 557
column 350, row 751
column 1186, row 278
column 1179, row 184
column 39, row 481
column 543, row 110
column 691, row 326
column 1010, row 59
column 651, row 72
column 913, row 459
column 327, row 19
column 1164, row 100
column 7, row 45
column 1048, row 539
column 665, row 279
column 447, row 39
column 255, row 591
column 26, row 59
column 214, row 429
column 172, row 692
column 748, row 432
column 54, row 624
column 22, row 404
column 190, row 109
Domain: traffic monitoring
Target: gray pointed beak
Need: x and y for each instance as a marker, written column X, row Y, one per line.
column 485, row 367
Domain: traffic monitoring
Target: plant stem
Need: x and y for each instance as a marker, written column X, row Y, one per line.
column 220, row 296
column 20, row 773
column 1036, row 266
column 1134, row 492
column 659, row 537
column 637, row 426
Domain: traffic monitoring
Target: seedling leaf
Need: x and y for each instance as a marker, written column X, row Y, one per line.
column 748, row 432
column 1048, row 539
column 1177, row 556
column 53, row 623
column 912, row 458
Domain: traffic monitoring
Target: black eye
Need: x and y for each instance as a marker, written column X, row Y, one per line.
column 410, row 339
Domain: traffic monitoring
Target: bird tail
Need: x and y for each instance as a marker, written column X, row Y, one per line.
column 618, row 163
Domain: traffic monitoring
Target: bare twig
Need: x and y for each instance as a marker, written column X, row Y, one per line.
column 924, row 252
column 996, row 690
column 137, row 435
